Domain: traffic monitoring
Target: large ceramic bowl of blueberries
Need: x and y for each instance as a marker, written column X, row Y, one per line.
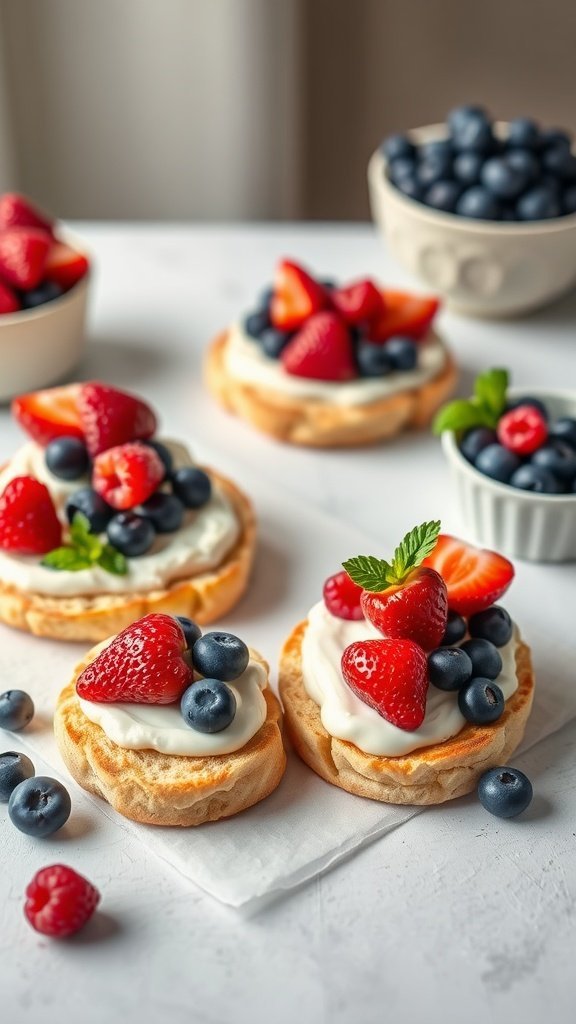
column 513, row 459
column 483, row 212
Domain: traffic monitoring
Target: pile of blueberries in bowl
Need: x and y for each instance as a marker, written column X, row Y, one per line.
column 485, row 170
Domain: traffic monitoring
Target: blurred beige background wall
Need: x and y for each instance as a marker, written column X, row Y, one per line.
column 240, row 109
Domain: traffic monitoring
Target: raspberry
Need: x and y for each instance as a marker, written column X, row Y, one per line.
column 127, row 475
column 59, row 901
column 342, row 596
column 523, row 430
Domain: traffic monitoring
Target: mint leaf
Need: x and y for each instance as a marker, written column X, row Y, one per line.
column 113, row 561
column 368, row 572
column 82, row 539
column 490, row 389
column 85, row 550
column 463, row 414
column 66, row 558
column 414, row 548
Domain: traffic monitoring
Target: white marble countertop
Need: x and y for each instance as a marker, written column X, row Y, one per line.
column 454, row 917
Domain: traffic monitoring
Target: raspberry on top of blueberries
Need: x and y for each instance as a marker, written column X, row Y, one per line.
column 522, row 173
column 323, row 331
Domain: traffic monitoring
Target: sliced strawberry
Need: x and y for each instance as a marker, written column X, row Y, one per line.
column 18, row 212
column 296, row 296
column 28, row 521
column 357, row 303
column 9, row 301
column 51, row 413
column 475, row 577
column 416, row 609
column 127, row 475
column 390, row 676
column 23, row 254
column 322, row 350
column 406, row 315
column 342, row 596
column 65, row 266
column 144, row 665
column 111, row 417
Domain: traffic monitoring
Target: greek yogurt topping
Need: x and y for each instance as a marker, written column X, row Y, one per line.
column 203, row 541
column 346, row 717
column 246, row 361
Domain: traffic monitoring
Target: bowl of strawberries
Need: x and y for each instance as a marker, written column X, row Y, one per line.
column 44, row 281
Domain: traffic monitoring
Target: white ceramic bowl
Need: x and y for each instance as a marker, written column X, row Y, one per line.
column 481, row 268
column 40, row 347
column 522, row 524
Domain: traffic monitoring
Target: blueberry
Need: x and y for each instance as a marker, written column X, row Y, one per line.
column 164, row 453
column 443, row 195
column 266, row 296
column 508, row 214
column 467, row 168
column 165, row 512
column 479, row 203
column 402, row 353
column 475, row 440
column 90, row 504
column 502, row 179
column 16, row 710
column 329, row 284
column 130, row 534
column 553, row 137
column 67, row 458
column 39, row 806
column 208, row 705
column 191, row 630
column 485, row 657
column 437, row 149
column 493, row 624
column 560, row 162
column 274, row 341
column 474, row 132
column 505, row 792
column 401, row 168
column 538, row 203
column 373, row 360
column 433, row 169
column 569, row 200
column 455, row 629
column 220, row 656
column 410, row 187
column 524, row 161
column 536, row 479
column 14, row 769
column 536, row 403
column 257, row 322
column 449, row 668
column 564, row 430
column 523, row 132
column 193, row 486
column 558, row 458
column 497, row 462
column 460, row 115
column 396, row 146
column 481, row 701
column 46, row 292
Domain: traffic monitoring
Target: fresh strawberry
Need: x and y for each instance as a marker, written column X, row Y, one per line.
column 390, row 676
column 9, row 301
column 127, row 475
column 401, row 599
column 342, row 596
column 28, row 521
column 406, row 315
column 322, row 350
column 357, row 303
column 475, row 577
column 18, row 212
column 59, row 901
column 111, row 417
column 144, row 664
column 65, row 266
column 23, row 254
column 296, row 296
column 522, row 430
column 51, row 413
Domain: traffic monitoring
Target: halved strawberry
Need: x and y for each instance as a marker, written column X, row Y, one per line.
column 28, row 521
column 9, row 301
column 144, row 665
column 390, row 676
column 23, row 254
column 18, row 212
column 416, row 609
column 127, row 475
column 65, row 265
column 110, row 417
column 51, row 413
column 475, row 577
column 358, row 302
column 322, row 350
column 404, row 314
column 296, row 296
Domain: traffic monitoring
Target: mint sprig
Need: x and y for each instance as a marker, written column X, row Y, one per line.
column 85, row 550
column 376, row 575
column 483, row 409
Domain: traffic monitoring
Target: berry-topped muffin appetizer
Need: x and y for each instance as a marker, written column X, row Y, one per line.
column 101, row 521
column 407, row 682
column 322, row 365
column 170, row 726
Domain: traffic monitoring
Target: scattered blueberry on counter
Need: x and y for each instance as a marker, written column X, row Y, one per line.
column 39, row 806
column 505, row 792
column 16, row 710
column 14, row 769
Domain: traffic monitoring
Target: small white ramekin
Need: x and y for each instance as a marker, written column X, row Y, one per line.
column 535, row 527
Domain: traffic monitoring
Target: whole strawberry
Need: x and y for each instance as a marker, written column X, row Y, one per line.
column 110, row 417
column 390, row 676
column 144, row 664
column 59, row 901
column 28, row 521
column 401, row 598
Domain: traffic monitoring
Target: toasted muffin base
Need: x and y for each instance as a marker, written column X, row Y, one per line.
column 314, row 423
column 204, row 597
column 431, row 775
column 162, row 789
